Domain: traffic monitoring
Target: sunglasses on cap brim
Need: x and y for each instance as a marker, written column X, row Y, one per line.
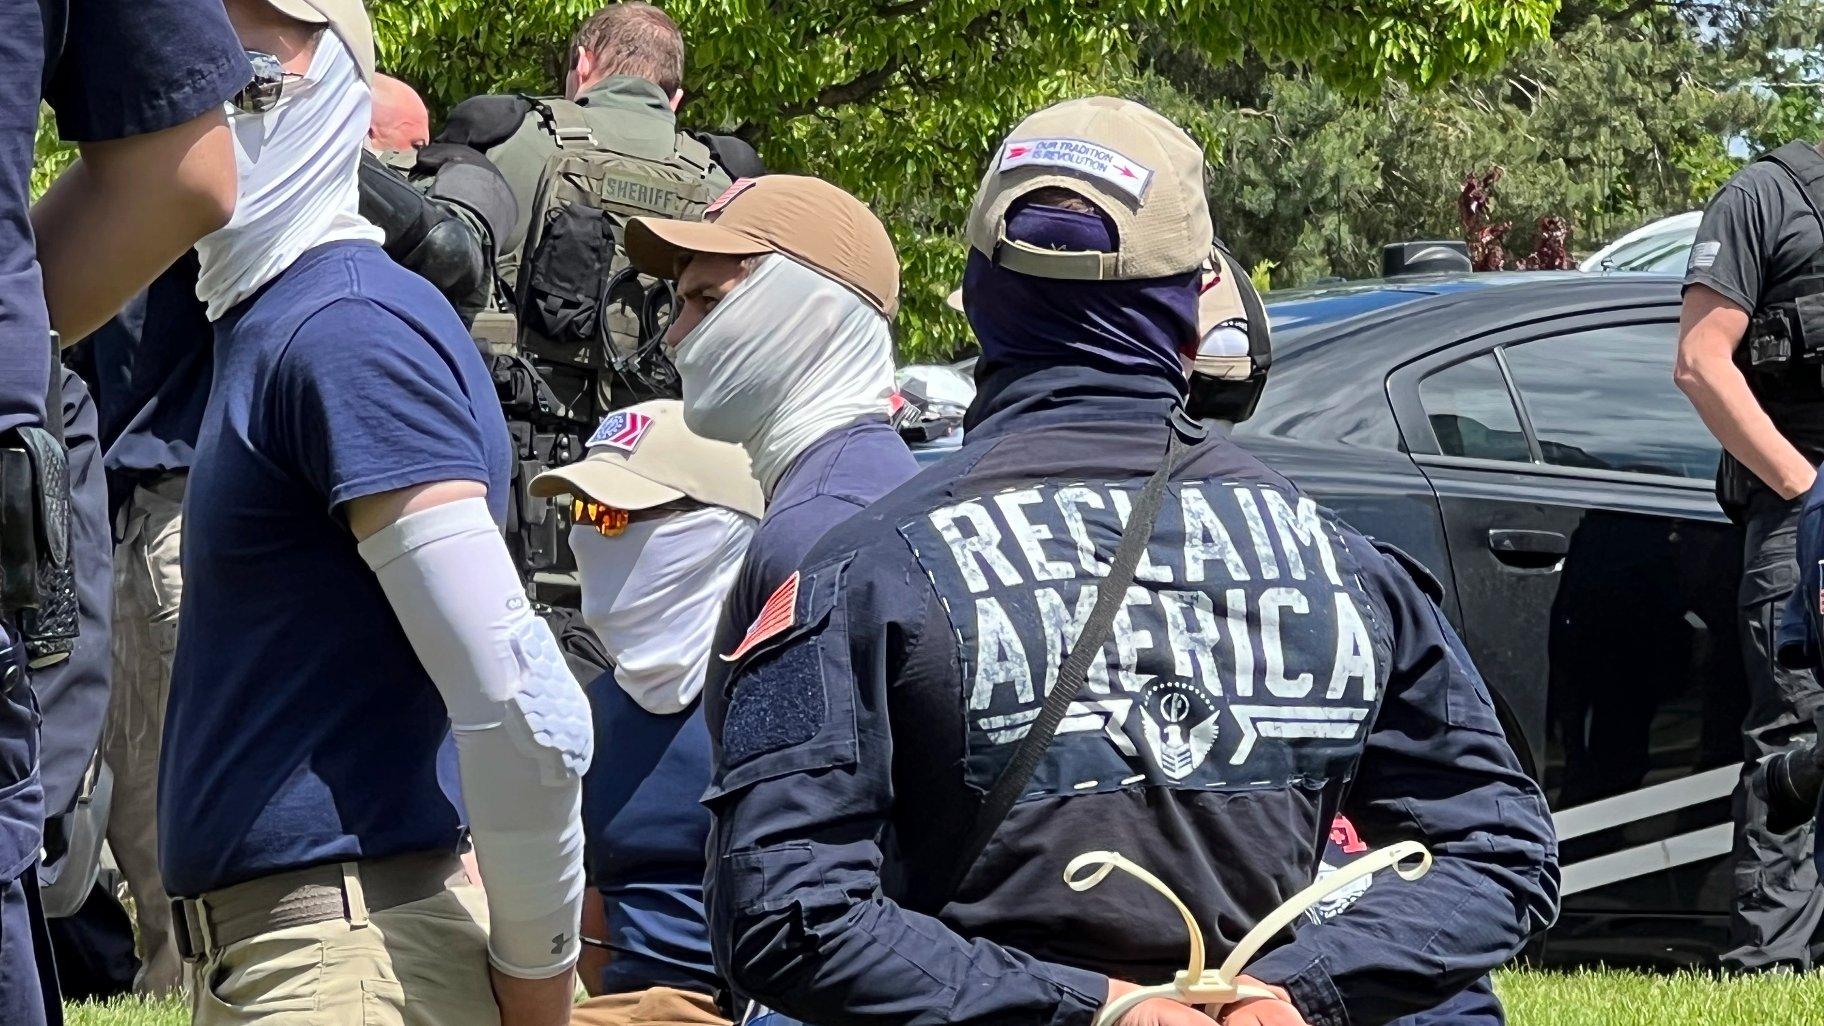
column 267, row 87
column 612, row 521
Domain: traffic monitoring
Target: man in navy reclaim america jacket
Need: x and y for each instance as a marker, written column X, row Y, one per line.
column 1268, row 669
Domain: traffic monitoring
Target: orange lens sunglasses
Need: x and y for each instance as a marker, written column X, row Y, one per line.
column 607, row 519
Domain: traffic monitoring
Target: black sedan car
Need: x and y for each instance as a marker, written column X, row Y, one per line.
column 1521, row 435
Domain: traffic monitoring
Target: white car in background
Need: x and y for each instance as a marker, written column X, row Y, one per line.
column 1662, row 247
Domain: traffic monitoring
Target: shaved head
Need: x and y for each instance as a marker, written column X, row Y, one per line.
column 401, row 121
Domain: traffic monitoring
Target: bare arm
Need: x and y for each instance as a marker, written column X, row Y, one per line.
column 595, row 925
column 1710, row 330
column 123, row 212
column 371, row 514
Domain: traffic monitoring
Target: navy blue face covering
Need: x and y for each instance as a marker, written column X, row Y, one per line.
column 1132, row 325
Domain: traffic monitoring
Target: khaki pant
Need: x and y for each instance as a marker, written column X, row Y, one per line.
column 658, row 1006
column 424, row 963
column 148, row 584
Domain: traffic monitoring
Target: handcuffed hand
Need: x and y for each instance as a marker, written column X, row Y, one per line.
column 1157, row 1011
column 1275, row 1011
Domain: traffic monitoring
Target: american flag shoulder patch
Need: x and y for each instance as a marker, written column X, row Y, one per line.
column 776, row 617
column 621, row 431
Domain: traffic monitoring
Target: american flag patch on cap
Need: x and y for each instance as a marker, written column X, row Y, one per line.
column 777, row 616
column 621, row 431
column 740, row 186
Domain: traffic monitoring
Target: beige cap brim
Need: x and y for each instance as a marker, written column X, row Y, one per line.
column 604, row 481
column 656, row 246
column 350, row 22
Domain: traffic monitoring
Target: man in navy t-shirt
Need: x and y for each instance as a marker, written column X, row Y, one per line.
column 138, row 86
column 348, row 600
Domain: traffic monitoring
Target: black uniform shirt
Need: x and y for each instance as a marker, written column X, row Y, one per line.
column 1757, row 230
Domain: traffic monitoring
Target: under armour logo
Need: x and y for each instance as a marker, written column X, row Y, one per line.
column 557, row 944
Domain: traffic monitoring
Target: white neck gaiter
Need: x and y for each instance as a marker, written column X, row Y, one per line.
column 299, row 167
column 783, row 360
column 653, row 595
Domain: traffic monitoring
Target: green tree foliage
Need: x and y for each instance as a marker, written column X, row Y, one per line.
column 900, row 102
column 1612, row 122
column 50, row 157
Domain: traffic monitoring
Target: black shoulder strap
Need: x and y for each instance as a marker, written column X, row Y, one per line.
column 1260, row 329
column 1805, row 164
column 1011, row 785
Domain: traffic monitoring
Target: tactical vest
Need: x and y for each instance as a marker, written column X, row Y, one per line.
column 582, row 307
column 584, row 336
column 1784, row 356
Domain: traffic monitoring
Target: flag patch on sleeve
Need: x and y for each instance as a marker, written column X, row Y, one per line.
column 776, row 617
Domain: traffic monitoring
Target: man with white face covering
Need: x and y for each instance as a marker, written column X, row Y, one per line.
column 348, row 600
column 783, row 347
column 662, row 518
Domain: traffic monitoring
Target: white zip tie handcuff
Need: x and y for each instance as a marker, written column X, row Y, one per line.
column 1197, row 986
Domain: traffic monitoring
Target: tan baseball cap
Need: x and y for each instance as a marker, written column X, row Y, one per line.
column 807, row 219
column 644, row 456
column 1138, row 168
column 347, row 18
column 1235, row 338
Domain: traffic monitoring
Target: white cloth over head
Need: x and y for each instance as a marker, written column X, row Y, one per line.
column 784, row 359
column 299, row 169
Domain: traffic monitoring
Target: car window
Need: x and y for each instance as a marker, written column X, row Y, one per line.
column 1604, row 399
column 1471, row 412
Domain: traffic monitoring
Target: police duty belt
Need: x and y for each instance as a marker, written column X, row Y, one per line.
column 1197, row 986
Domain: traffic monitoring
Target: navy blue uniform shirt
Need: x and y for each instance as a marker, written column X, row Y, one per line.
column 301, row 728
column 646, row 833
column 151, row 366
column 1802, row 624
column 116, row 68
column 73, row 694
column 839, row 475
column 1476, row 1005
column 1269, row 668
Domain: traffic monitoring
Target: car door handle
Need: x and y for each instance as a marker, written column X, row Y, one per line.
column 1528, row 550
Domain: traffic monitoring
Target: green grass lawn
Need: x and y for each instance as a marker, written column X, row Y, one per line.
column 1533, row 999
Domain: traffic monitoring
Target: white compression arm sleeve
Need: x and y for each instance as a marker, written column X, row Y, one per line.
column 522, row 725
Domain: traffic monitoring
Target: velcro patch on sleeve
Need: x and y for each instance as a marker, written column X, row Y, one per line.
column 781, row 705
column 776, row 617
column 1084, row 158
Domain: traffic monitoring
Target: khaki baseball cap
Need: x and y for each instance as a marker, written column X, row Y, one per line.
column 1138, row 168
column 347, row 18
column 807, row 219
column 1235, row 338
column 644, row 456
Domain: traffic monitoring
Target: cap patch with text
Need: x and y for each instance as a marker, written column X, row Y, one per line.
column 1085, row 158
column 621, row 431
